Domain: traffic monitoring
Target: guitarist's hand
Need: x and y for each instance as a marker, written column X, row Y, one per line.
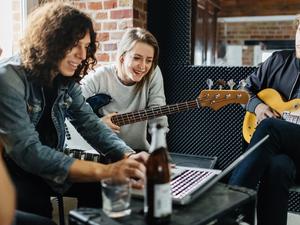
column 263, row 111
column 107, row 120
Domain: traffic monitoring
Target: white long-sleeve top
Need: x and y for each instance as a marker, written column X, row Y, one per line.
column 125, row 99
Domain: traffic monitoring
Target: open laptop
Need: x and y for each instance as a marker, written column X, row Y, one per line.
column 188, row 183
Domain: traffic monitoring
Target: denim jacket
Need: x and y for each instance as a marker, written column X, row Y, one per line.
column 21, row 106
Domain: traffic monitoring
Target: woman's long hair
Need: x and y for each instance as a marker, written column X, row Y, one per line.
column 52, row 30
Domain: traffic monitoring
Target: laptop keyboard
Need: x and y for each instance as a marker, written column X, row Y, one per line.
column 186, row 181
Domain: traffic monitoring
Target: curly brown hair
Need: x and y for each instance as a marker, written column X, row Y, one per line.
column 52, row 30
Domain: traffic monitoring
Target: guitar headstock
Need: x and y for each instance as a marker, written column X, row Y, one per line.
column 216, row 99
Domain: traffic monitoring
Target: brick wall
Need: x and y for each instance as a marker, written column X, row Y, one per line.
column 236, row 33
column 111, row 18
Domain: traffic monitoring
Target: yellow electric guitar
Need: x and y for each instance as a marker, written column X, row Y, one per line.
column 289, row 111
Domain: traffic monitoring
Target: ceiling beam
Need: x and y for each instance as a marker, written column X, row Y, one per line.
column 232, row 8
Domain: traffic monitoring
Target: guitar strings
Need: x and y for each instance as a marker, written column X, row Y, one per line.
column 151, row 113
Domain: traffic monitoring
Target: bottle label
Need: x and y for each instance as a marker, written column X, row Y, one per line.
column 162, row 200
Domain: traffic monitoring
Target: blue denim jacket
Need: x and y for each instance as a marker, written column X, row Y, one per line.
column 21, row 106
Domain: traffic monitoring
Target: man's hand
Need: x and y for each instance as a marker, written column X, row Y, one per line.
column 128, row 168
column 107, row 120
column 263, row 111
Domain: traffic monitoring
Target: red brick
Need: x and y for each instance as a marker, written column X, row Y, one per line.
column 94, row 5
column 101, row 15
column 103, row 36
column 102, row 57
column 109, row 25
column 110, row 47
column 120, row 14
column 97, row 26
column 110, row 4
column 116, row 35
column 80, row 5
column 124, row 24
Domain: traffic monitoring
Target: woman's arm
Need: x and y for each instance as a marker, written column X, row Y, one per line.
column 157, row 95
column 86, row 171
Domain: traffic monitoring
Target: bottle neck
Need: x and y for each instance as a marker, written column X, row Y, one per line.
column 158, row 139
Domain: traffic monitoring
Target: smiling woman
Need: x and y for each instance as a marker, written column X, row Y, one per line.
column 134, row 83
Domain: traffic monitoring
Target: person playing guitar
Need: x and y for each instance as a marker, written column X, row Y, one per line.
column 133, row 83
column 275, row 164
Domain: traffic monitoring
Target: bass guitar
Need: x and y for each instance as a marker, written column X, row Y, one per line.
column 289, row 111
column 214, row 99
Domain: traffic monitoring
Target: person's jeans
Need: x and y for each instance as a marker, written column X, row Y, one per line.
column 24, row 218
column 272, row 169
column 33, row 193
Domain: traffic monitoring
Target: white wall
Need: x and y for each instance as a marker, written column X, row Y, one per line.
column 6, row 27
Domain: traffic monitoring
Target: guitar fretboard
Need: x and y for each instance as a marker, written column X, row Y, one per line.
column 287, row 116
column 154, row 112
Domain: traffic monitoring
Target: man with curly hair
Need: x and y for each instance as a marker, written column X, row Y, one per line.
column 38, row 88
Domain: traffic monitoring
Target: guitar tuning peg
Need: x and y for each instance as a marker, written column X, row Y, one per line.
column 221, row 84
column 209, row 83
column 242, row 84
column 231, row 84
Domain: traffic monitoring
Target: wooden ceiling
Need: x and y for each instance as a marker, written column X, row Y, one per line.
column 232, row 8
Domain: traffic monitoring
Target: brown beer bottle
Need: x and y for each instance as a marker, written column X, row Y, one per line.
column 158, row 202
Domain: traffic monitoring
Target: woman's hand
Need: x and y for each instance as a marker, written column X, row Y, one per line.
column 263, row 111
column 107, row 120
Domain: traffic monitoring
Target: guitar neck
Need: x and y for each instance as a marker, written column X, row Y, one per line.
column 147, row 114
column 287, row 116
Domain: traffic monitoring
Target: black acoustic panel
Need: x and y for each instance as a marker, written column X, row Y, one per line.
column 294, row 201
column 204, row 131
column 170, row 22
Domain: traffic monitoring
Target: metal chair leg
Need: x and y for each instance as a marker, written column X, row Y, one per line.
column 60, row 202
